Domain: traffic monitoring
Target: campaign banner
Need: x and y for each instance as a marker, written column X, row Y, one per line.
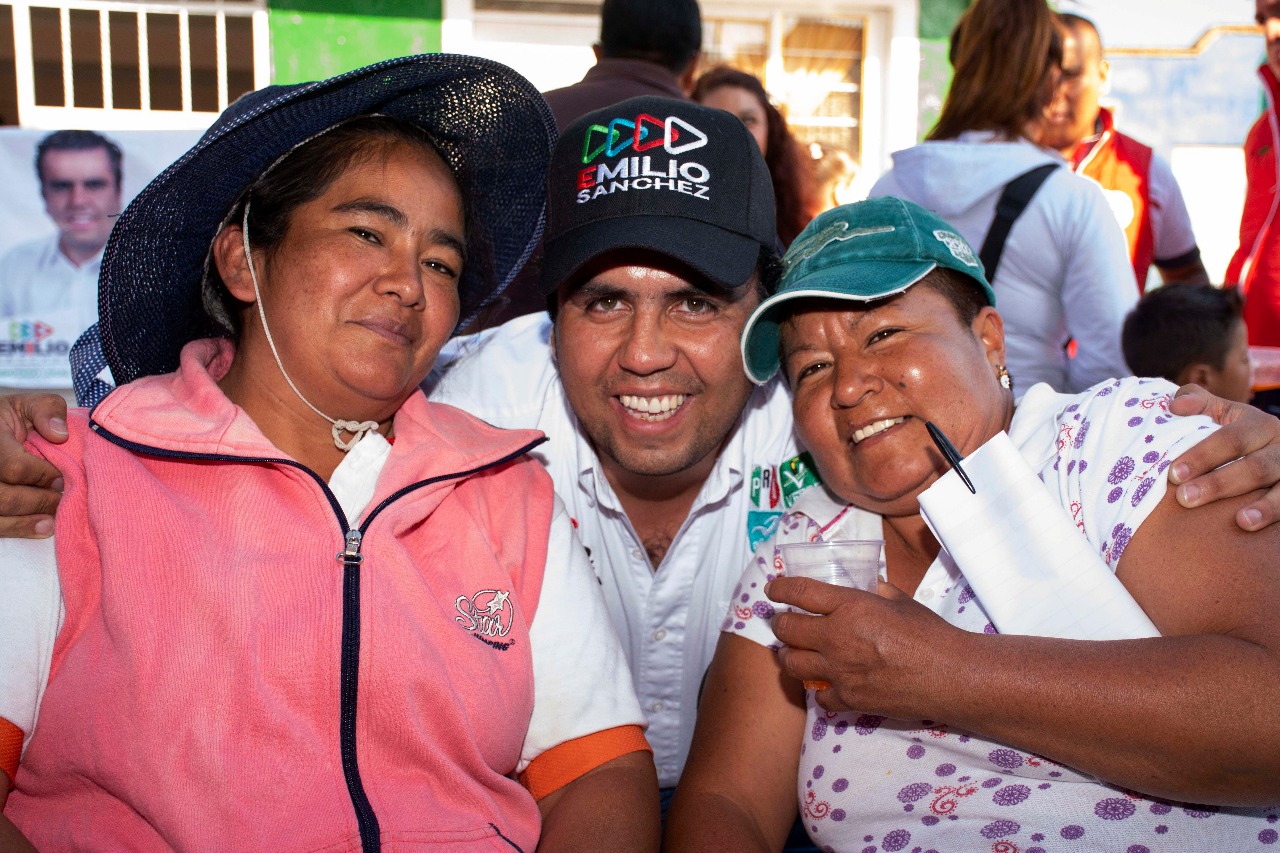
column 34, row 348
column 63, row 191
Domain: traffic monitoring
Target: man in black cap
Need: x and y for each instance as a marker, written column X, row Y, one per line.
column 659, row 243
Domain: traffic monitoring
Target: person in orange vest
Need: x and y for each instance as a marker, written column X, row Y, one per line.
column 1256, row 264
column 1139, row 185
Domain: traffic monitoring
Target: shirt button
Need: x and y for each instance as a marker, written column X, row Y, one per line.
column 656, row 707
column 635, row 553
column 925, row 594
column 660, row 634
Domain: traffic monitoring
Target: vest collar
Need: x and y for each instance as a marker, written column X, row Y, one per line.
column 185, row 412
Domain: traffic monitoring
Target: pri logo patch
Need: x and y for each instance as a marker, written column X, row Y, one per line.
column 655, row 146
column 488, row 615
column 958, row 248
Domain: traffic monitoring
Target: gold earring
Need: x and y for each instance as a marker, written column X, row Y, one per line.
column 1006, row 381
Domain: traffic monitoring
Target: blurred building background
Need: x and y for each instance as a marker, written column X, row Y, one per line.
column 867, row 77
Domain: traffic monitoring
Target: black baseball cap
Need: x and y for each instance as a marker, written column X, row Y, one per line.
column 673, row 177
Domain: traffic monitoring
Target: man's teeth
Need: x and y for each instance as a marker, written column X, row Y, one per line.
column 873, row 428
column 652, row 408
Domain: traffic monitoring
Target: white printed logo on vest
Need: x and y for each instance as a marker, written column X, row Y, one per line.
column 488, row 615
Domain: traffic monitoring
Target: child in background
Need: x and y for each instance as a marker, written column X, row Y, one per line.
column 1191, row 333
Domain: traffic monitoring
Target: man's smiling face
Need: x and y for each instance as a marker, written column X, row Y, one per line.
column 648, row 354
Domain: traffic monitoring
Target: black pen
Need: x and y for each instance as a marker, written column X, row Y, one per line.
column 949, row 453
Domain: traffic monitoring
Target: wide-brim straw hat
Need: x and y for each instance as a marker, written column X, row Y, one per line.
column 491, row 126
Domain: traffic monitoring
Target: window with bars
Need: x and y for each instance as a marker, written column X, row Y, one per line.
column 102, row 63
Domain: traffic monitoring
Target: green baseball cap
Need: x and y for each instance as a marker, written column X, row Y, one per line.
column 860, row 252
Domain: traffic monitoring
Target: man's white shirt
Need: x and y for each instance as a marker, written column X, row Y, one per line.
column 35, row 277
column 668, row 620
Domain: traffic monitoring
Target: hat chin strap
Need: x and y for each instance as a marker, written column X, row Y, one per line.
column 358, row 429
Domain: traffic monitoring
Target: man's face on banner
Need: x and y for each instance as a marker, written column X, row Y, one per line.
column 82, row 198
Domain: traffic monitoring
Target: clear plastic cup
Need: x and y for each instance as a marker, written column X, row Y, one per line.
column 853, row 563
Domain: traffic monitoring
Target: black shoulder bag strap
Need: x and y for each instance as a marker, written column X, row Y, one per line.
column 1015, row 198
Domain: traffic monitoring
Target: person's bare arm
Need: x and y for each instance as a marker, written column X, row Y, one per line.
column 612, row 808
column 1192, row 273
column 738, row 790
column 1207, row 471
column 1188, row 716
column 30, row 487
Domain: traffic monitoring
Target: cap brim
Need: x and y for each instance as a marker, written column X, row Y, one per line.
column 872, row 280
column 725, row 257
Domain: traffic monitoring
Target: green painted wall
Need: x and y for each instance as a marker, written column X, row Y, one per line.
column 937, row 17
column 314, row 39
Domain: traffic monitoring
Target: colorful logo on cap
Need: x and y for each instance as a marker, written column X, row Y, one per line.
column 673, row 134
column 642, row 154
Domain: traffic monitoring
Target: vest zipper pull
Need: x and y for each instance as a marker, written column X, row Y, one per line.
column 351, row 556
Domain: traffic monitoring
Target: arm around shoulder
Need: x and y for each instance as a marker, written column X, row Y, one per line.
column 30, row 487
column 1242, row 456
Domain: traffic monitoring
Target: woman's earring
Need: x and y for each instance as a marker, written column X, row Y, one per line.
column 1006, row 382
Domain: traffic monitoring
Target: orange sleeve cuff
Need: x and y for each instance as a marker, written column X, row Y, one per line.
column 565, row 762
column 10, row 750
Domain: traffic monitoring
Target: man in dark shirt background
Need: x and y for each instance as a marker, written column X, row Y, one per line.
column 646, row 47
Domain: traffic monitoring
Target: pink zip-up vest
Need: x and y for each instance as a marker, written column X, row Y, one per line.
column 198, row 697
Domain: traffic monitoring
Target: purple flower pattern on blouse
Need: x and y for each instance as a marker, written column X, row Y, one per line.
column 876, row 784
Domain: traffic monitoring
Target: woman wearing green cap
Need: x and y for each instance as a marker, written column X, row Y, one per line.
column 289, row 604
column 1121, row 699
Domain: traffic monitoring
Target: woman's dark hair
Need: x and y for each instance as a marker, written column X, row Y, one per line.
column 964, row 293
column 1176, row 326
column 790, row 167
column 303, row 175
column 1005, row 55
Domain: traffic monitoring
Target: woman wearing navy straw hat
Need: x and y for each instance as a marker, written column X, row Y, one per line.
column 289, row 604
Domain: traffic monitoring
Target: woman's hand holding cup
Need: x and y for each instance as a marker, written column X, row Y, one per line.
column 851, row 563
